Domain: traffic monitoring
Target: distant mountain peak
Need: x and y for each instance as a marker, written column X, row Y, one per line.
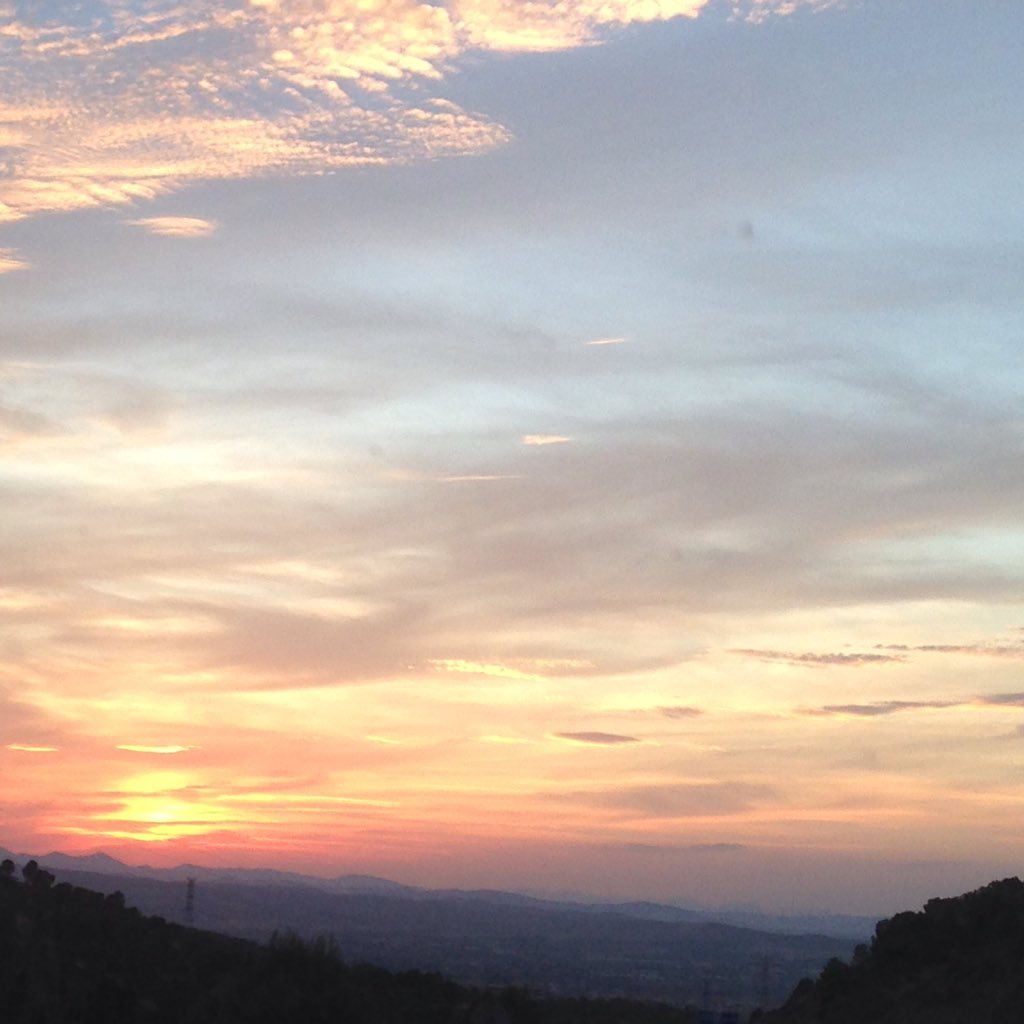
column 96, row 861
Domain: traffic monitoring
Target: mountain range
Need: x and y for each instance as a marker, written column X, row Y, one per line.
column 844, row 926
column 489, row 938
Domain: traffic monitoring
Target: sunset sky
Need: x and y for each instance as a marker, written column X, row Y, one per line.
column 557, row 445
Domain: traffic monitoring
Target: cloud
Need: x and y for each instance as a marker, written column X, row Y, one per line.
column 1015, row 700
column 9, row 262
column 543, row 439
column 482, row 669
column 880, row 708
column 122, row 104
column 982, row 650
column 177, row 227
column 505, row 25
column 675, row 848
column 201, row 94
column 716, row 847
column 473, row 478
column 20, row 425
column 892, row 707
column 842, row 659
column 281, row 648
column 610, row 739
column 28, row 731
column 139, row 748
column 757, row 11
column 680, row 712
column 706, row 799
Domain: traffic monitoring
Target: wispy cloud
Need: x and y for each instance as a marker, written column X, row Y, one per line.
column 675, row 848
column 678, row 711
column 544, row 439
column 9, row 261
column 482, row 669
column 121, row 104
column 880, row 708
column 292, row 86
column 850, row 660
column 891, row 707
column 757, row 11
column 1014, row 700
column 685, row 800
column 510, row 26
column 1013, row 651
column 18, row 425
column 603, row 739
column 141, row 748
column 474, row 478
column 177, row 227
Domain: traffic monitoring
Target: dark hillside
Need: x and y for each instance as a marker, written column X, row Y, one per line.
column 958, row 961
column 69, row 955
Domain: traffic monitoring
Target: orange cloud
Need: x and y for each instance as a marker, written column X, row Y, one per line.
column 510, row 26
column 293, row 86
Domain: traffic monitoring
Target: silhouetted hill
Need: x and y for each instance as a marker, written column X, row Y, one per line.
column 843, row 926
column 958, row 961
column 69, row 955
column 493, row 939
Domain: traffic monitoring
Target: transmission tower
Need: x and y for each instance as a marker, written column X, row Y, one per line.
column 190, row 901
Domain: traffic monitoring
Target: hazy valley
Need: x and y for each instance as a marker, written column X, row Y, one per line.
column 636, row 950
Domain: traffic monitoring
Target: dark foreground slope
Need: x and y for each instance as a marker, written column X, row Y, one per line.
column 69, row 955
column 959, row 961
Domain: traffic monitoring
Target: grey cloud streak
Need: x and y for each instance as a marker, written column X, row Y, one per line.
column 842, row 659
column 880, row 708
column 693, row 800
column 670, row 848
column 600, row 739
column 981, row 650
column 680, row 712
column 890, row 707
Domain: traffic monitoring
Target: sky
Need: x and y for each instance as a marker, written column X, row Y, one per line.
column 557, row 445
